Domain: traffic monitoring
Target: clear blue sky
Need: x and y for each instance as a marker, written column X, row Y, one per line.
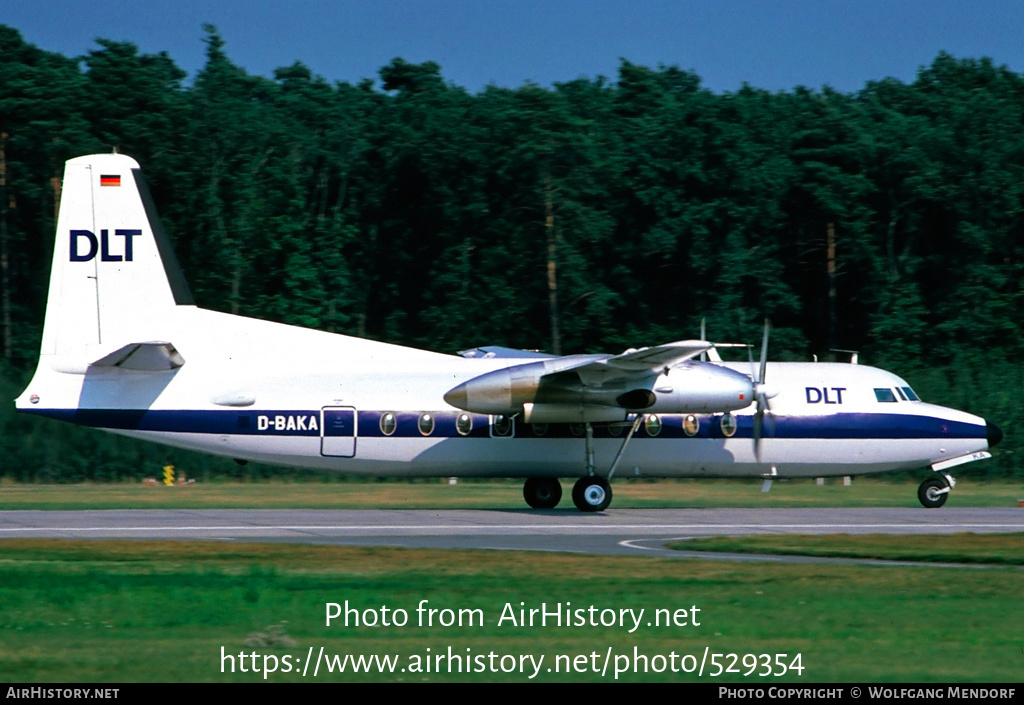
column 772, row 44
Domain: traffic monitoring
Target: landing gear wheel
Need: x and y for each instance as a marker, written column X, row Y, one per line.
column 591, row 494
column 933, row 493
column 542, row 492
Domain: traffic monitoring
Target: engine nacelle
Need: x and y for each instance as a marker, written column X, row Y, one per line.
column 553, row 388
column 700, row 388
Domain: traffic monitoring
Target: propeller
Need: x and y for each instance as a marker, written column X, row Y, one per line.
column 761, row 394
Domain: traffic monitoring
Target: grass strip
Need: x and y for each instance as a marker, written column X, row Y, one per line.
column 127, row 611
column 319, row 493
column 995, row 549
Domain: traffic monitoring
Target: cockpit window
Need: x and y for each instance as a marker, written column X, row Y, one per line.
column 885, row 394
column 910, row 394
column 902, row 395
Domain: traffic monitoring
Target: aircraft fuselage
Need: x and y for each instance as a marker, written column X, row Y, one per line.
column 332, row 409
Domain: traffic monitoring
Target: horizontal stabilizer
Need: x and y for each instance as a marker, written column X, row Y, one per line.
column 147, row 357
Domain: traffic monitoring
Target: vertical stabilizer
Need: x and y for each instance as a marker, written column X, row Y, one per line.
column 115, row 279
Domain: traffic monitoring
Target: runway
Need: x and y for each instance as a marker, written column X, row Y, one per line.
column 615, row 532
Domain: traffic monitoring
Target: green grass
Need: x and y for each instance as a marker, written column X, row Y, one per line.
column 161, row 611
column 995, row 549
column 130, row 611
column 321, row 493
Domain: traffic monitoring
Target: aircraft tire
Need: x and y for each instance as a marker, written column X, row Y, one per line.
column 592, row 494
column 928, row 493
column 542, row 492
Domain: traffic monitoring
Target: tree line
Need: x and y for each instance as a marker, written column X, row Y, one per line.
column 593, row 215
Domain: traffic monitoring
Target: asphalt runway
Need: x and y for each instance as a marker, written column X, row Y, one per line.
column 614, row 532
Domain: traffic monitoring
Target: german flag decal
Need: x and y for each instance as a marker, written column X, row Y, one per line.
column 110, row 180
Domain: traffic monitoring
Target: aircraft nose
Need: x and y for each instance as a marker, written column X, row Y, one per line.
column 993, row 434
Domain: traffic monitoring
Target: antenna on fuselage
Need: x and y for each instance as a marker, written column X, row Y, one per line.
column 852, row 353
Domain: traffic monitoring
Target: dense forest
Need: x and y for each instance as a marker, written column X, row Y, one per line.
column 591, row 216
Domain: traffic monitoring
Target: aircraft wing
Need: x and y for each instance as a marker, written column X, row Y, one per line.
column 637, row 363
column 658, row 357
column 497, row 351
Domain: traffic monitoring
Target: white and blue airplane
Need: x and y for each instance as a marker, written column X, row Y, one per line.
column 125, row 349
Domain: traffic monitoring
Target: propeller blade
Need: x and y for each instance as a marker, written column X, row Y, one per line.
column 759, row 422
column 759, row 395
column 764, row 351
column 758, row 428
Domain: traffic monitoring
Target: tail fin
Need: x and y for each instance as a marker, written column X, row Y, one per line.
column 114, row 276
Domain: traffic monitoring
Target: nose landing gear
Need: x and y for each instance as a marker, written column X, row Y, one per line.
column 934, row 491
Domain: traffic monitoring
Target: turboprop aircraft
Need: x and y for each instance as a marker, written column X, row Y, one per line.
column 125, row 349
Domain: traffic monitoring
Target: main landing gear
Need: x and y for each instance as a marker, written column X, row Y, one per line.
column 542, row 492
column 591, row 493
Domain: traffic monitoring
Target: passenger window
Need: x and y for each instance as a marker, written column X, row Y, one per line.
column 464, row 424
column 653, row 425
column 502, row 426
column 426, row 424
column 388, row 423
column 885, row 395
column 728, row 423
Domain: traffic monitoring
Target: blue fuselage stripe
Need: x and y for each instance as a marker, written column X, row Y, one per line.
column 293, row 422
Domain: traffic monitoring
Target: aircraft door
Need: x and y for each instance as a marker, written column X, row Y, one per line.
column 338, row 426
